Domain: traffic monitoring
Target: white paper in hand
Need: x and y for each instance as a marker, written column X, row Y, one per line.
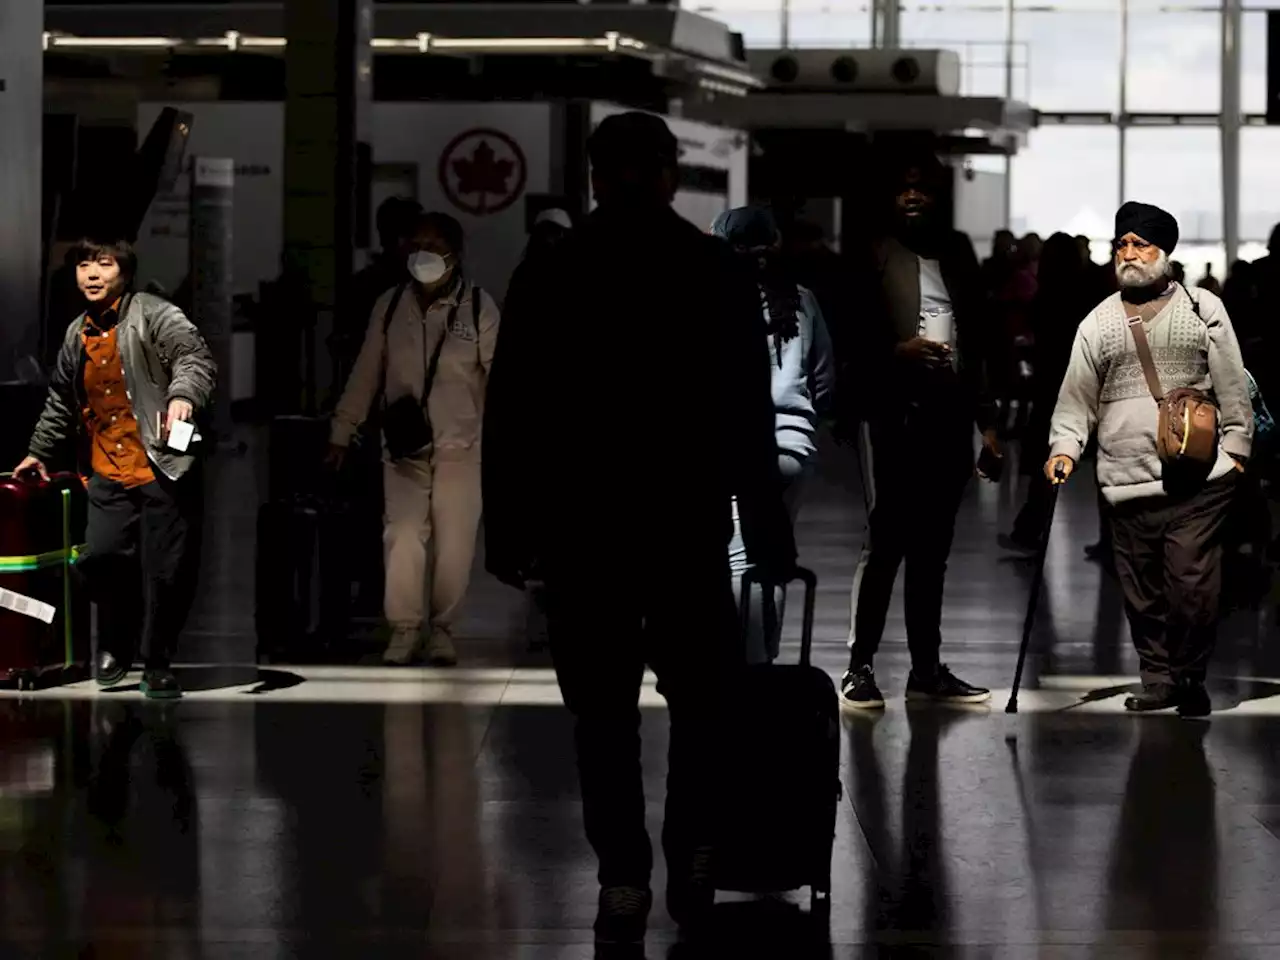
column 180, row 434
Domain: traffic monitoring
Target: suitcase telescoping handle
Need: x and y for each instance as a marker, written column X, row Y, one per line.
column 801, row 575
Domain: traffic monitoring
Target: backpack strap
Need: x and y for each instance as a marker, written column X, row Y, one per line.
column 477, row 295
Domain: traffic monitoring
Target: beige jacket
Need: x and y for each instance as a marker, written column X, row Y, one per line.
column 456, row 404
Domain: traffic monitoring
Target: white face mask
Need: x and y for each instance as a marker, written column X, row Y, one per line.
column 427, row 267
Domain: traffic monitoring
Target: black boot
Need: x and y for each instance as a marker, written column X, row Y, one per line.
column 1154, row 696
column 110, row 670
column 622, row 919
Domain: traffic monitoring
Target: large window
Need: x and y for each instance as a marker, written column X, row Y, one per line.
column 1175, row 60
column 1068, row 58
column 1259, row 182
column 829, row 25
column 1253, row 56
column 1179, row 169
column 1066, row 179
column 1073, row 59
column 977, row 34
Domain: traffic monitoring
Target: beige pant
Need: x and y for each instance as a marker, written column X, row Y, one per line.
column 432, row 513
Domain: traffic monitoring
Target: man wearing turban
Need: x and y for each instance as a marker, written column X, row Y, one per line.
column 1167, row 538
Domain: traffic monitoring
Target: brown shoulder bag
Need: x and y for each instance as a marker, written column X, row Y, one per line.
column 1188, row 428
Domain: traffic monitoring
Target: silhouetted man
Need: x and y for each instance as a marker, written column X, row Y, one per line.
column 926, row 329
column 629, row 400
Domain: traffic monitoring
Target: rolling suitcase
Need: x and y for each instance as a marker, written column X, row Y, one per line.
column 303, row 579
column 44, row 612
column 783, row 758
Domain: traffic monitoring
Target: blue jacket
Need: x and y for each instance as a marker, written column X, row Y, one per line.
column 803, row 374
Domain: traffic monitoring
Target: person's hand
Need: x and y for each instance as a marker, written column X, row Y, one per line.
column 990, row 449
column 32, row 465
column 335, row 457
column 178, row 410
column 921, row 350
column 1059, row 468
column 1237, row 463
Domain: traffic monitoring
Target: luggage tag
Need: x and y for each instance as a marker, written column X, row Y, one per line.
column 27, row 606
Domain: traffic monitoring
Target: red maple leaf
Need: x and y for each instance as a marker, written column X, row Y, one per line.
column 483, row 174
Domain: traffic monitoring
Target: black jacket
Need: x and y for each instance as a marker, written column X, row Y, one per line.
column 628, row 401
column 892, row 316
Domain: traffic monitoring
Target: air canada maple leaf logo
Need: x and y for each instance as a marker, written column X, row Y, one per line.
column 482, row 171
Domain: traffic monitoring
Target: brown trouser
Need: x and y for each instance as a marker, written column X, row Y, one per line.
column 1168, row 555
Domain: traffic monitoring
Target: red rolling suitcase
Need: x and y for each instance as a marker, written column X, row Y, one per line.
column 44, row 613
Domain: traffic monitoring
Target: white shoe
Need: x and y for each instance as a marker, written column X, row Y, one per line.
column 440, row 650
column 403, row 647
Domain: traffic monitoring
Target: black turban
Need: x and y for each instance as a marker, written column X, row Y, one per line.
column 1150, row 223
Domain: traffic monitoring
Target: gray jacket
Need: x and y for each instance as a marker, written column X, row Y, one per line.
column 164, row 357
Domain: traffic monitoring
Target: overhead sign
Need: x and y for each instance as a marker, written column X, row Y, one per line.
column 482, row 171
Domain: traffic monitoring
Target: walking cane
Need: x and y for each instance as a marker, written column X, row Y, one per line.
column 1059, row 477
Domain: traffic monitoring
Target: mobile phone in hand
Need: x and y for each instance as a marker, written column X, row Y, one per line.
column 990, row 467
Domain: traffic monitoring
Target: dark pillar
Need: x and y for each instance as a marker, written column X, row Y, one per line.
column 210, row 252
column 21, row 124
column 328, row 78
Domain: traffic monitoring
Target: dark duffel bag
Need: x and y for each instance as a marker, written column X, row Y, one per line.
column 775, row 831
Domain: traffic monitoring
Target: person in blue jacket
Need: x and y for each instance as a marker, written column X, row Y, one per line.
column 803, row 374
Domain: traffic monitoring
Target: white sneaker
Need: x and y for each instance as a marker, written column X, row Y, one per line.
column 403, row 646
column 440, row 650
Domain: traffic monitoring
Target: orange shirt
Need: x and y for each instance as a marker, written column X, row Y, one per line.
column 116, row 449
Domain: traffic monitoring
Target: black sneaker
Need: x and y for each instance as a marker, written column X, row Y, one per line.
column 691, row 891
column 623, row 916
column 944, row 687
column 1154, row 696
column 110, row 670
column 1193, row 701
column 160, row 684
column 858, row 690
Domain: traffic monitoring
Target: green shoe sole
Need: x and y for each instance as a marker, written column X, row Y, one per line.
column 159, row 694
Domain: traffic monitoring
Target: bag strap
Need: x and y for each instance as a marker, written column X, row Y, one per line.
column 387, row 316
column 433, row 364
column 476, row 297
column 1144, row 357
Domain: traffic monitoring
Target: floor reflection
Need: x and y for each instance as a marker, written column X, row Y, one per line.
column 1165, row 859
column 257, row 828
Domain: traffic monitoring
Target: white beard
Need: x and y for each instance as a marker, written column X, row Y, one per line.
column 1143, row 274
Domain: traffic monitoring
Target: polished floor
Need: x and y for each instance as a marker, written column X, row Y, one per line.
column 327, row 811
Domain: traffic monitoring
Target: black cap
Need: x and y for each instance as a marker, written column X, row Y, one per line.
column 632, row 138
